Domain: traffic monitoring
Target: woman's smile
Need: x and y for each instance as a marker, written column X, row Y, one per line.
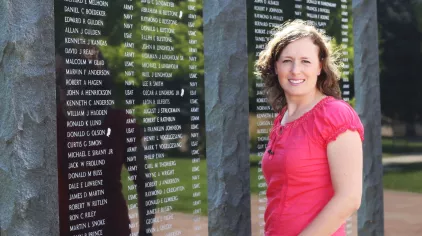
column 296, row 82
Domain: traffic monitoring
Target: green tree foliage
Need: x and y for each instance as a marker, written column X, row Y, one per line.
column 400, row 25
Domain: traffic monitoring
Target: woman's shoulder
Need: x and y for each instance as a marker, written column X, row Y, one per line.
column 336, row 116
column 333, row 107
column 334, row 103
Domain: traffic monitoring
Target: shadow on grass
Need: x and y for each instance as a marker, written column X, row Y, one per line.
column 403, row 167
column 401, row 145
column 403, row 177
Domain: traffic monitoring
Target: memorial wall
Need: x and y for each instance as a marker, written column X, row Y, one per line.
column 334, row 17
column 130, row 117
column 130, row 110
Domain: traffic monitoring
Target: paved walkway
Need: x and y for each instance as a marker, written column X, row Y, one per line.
column 405, row 159
column 402, row 214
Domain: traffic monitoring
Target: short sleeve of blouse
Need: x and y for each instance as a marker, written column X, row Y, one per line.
column 334, row 118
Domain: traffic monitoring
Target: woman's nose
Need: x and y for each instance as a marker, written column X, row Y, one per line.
column 295, row 69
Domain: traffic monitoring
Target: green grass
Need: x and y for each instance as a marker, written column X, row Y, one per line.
column 254, row 160
column 387, row 155
column 400, row 145
column 403, row 177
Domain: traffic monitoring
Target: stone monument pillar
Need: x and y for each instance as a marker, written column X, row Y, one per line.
column 28, row 160
column 29, row 168
column 226, row 83
column 368, row 106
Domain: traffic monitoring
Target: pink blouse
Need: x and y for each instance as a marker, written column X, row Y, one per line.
column 295, row 166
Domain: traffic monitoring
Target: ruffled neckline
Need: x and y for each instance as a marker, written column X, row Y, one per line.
column 302, row 118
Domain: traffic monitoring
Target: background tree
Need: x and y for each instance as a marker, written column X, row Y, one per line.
column 400, row 58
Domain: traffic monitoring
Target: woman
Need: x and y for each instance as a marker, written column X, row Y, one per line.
column 313, row 161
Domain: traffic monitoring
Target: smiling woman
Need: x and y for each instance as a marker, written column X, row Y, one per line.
column 313, row 161
column 298, row 67
column 288, row 36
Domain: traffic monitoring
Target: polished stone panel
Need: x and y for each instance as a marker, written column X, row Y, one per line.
column 130, row 117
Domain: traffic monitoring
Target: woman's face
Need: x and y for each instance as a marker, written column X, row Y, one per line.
column 298, row 68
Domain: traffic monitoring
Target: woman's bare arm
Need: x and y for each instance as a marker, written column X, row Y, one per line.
column 346, row 163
